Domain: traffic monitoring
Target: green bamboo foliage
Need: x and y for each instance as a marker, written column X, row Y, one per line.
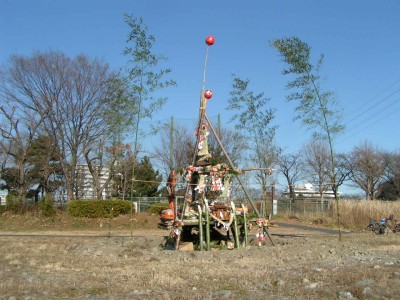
column 144, row 77
column 316, row 108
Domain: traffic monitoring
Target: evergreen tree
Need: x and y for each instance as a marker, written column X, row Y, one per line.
column 147, row 180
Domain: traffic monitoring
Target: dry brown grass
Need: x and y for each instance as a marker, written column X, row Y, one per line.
column 354, row 215
column 78, row 267
column 33, row 221
column 357, row 213
column 106, row 268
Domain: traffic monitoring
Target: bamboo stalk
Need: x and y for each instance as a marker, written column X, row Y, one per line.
column 245, row 226
column 235, row 226
column 201, row 238
column 207, row 215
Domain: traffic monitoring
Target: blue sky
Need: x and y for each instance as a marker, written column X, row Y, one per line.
column 360, row 41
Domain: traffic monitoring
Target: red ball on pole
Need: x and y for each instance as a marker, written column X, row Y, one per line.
column 210, row 40
column 208, row 94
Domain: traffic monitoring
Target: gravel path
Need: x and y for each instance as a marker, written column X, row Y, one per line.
column 296, row 227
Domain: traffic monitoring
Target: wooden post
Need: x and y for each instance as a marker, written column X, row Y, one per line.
column 178, row 238
column 131, row 225
column 269, row 236
column 272, row 199
column 201, row 238
column 109, row 219
column 245, row 225
column 172, row 150
column 207, row 215
column 235, row 225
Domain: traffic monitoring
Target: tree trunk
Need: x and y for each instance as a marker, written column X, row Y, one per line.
column 322, row 202
column 22, row 190
column 22, row 194
column 291, row 192
column 70, row 191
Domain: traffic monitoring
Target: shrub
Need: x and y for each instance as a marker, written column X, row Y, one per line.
column 120, row 207
column 46, row 206
column 157, row 208
column 98, row 208
column 14, row 204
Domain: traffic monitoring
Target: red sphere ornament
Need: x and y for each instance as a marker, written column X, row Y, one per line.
column 210, row 40
column 208, row 94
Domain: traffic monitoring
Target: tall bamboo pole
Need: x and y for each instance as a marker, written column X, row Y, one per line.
column 207, row 215
column 201, row 237
column 245, row 226
column 172, row 149
column 235, row 225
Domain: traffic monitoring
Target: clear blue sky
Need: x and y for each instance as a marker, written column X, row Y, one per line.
column 360, row 41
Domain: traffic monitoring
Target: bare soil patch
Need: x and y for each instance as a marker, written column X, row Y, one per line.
column 101, row 265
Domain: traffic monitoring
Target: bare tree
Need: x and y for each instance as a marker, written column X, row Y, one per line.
column 18, row 130
column 5, row 148
column 317, row 166
column 123, row 169
column 101, row 161
column 175, row 149
column 69, row 95
column 366, row 168
column 342, row 170
column 290, row 165
column 390, row 188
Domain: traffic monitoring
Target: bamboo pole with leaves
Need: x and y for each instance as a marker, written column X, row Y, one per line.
column 207, row 216
column 143, row 78
column 317, row 109
column 235, row 225
column 201, row 236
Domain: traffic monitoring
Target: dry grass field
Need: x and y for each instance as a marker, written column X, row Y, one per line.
column 63, row 258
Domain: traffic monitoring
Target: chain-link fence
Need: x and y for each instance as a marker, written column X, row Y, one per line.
column 298, row 206
column 304, row 206
column 143, row 203
column 265, row 207
column 282, row 205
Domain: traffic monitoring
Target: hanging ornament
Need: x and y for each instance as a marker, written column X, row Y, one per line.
column 210, row 40
column 208, row 94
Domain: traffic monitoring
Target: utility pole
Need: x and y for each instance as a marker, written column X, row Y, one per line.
column 172, row 149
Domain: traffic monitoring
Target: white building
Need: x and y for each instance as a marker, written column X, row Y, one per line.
column 3, row 195
column 85, row 188
column 307, row 190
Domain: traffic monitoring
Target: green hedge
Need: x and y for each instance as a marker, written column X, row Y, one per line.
column 157, row 208
column 98, row 208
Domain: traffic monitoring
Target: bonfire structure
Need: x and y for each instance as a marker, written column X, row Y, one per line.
column 207, row 211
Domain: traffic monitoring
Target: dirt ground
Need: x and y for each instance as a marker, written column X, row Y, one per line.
column 107, row 263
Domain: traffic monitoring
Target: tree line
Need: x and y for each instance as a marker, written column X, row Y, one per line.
column 374, row 171
column 59, row 112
